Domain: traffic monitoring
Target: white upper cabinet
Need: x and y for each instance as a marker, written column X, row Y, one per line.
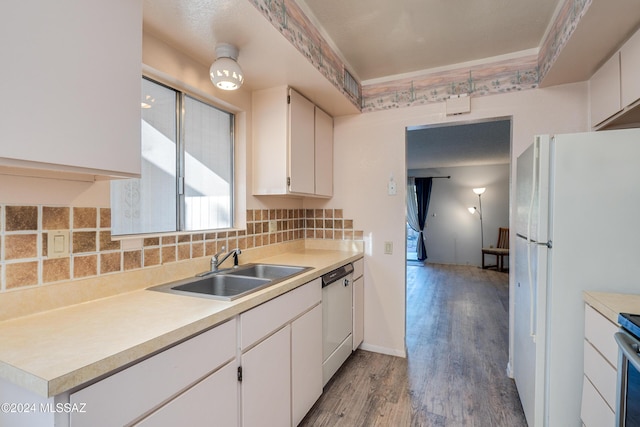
column 630, row 70
column 71, row 86
column 605, row 90
column 615, row 89
column 301, row 144
column 323, row 154
column 292, row 145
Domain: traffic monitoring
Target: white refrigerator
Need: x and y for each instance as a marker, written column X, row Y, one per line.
column 577, row 228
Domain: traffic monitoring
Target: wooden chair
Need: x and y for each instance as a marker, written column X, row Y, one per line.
column 500, row 251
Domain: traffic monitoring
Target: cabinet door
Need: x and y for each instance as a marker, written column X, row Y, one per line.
column 604, row 89
column 301, row 144
column 211, row 402
column 324, row 153
column 266, row 382
column 71, row 80
column 306, row 362
column 358, row 312
column 630, row 69
column 270, row 129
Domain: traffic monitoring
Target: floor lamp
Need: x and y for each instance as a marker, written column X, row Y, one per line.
column 479, row 191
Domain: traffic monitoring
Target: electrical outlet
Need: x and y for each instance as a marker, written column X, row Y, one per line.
column 393, row 190
column 273, row 226
column 57, row 243
column 388, row 248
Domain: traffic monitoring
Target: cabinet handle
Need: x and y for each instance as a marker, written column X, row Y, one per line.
column 346, row 282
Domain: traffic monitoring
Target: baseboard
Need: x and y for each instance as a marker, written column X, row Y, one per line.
column 383, row 350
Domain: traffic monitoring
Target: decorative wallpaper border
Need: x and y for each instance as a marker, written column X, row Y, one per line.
column 291, row 21
column 488, row 79
column 565, row 24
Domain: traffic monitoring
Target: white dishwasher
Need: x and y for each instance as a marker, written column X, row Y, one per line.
column 337, row 319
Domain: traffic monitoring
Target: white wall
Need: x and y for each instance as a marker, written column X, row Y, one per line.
column 371, row 146
column 452, row 233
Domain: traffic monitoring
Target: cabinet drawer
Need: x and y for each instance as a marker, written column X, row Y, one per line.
column 259, row 322
column 155, row 379
column 601, row 374
column 215, row 396
column 595, row 412
column 599, row 332
column 358, row 268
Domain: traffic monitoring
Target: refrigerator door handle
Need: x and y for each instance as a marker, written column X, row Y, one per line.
column 548, row 244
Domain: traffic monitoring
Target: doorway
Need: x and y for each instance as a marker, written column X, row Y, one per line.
column 471, row 154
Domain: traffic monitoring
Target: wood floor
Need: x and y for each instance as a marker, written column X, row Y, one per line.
column 455, row 372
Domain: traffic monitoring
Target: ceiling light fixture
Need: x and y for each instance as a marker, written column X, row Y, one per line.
column 225, row 72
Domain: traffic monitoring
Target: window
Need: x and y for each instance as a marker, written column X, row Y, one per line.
column 187, row 167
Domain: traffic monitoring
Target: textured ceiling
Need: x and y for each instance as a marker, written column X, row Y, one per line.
column 380, row 38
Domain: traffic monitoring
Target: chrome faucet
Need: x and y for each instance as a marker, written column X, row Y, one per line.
column 215, row 262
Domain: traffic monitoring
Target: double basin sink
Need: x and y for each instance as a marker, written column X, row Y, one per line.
column 232, row 283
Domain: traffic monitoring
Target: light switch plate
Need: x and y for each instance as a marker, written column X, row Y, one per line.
column 57, row 243
column 388, row 248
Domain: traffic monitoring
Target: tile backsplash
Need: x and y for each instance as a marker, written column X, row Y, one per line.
column 24, row 232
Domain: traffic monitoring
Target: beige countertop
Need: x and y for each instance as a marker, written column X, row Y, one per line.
column 610, row 305
column 53, row 351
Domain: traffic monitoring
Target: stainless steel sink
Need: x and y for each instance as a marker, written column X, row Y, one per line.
column 268, row 271
column 224, row 285
column 232, row 283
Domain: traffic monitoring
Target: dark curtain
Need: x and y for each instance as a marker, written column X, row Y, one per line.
column 423, row 195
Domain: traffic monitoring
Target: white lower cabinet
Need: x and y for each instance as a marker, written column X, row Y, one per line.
column 306, row 362
column 281, row 345
column 211, row 402
column 274, row 349
column 266, row 382
column 595, row 412
column 133, row 393
column 600, row 372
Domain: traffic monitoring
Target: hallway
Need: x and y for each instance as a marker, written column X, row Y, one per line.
column 455, row 372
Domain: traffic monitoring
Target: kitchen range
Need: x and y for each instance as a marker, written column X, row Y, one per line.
column 628, row 379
